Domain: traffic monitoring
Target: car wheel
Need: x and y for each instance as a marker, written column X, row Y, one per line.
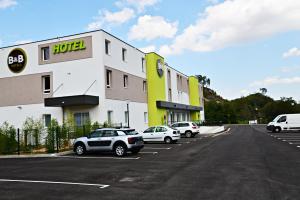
column 188, row 134
column 277, row 129
column 80, row 149
column 120, row 150
column 136, row 151
column 168, row 140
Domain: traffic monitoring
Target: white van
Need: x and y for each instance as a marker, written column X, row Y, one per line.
column 285, row 122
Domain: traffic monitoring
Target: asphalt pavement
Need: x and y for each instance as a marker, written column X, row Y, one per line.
column 246, row 162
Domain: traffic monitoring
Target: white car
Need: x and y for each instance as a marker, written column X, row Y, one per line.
column 188, row 129
column 161, row 134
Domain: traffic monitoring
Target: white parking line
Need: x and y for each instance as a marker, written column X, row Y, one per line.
column 94, row 157
column 168, row 148
column 150, row 152
column 101, row 186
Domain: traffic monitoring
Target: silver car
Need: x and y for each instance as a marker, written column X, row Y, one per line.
column 116, row 140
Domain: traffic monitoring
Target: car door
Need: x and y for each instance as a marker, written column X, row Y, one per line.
column 180, row 127
column 283, row 122
column 94, row 140
column 107, row 139
column 148, row 134
column 160, row 133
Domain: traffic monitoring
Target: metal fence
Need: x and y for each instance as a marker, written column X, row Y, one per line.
column 50, row 140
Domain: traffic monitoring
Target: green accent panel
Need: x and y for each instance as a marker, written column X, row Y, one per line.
column 194, row 97
column 156, row 90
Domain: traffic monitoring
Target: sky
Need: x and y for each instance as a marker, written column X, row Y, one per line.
column 241, row 45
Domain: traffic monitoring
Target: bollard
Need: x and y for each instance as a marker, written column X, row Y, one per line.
column 18, row 131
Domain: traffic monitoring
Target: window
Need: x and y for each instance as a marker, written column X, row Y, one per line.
column 45, row 53
column 107, row 47
column 110, row 133
column 125, row 81
column 126, row 117
column 124, row 54
column 146, row 117
column 169, row 75
column 161, row 129
column 282, row 119
column 170, row 94
column 47, row 120
column 81, row 118
column 143, row 64
column 109, row 116
column 46, row 84
column 144, row 86
column 96, row 134
column 149, row 130
column 108, row 78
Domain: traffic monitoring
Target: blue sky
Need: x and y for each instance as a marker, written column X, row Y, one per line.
column 242, row 45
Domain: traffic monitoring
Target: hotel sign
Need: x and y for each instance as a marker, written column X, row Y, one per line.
column 64, row 47
column 16, row 60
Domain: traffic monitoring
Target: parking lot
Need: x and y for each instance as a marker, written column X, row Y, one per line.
column 291, row 138
column 94, row 174
column 242, row 163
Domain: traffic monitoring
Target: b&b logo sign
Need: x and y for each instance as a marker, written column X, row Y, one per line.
column 16, row 60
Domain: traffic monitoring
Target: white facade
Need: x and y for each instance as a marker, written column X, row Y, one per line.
column 79, row 73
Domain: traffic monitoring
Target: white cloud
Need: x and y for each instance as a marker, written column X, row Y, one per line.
column 22, row 41
column 111, row 18
column 7, row 3
column 292, row 52
column 148, row 49
column 290, row 69
column 275, row 81
column 140, row 5
column 234, row 22
column 151, row 27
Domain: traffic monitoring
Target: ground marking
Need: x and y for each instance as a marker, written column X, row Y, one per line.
column 158, row 148
column 94, row 157
column 150, row 152
column 53, row 182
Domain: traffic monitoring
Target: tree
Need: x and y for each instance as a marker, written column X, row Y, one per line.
column 263, row 90
column 203, row 80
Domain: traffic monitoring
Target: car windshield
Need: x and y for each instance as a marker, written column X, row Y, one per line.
column 276, row 118
column 130, row 132
column 172, row 128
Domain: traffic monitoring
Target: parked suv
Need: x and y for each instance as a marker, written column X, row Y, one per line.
column 115, row 140
column 188, row 129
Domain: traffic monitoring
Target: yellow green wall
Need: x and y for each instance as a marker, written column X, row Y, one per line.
column 156, row 90
column 194, row 97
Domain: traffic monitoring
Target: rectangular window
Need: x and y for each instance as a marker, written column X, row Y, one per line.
column 46, row 84
column 144, row 86
column 124, row 54
column 47, row 120
column 109, row 116
column 126, row 117
column 45, row 53
column 170, row 94
column 81, row 118
column 145, row 117
column 108, row 78
column 143, row 64
column 107, row 47
column 125, row 81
